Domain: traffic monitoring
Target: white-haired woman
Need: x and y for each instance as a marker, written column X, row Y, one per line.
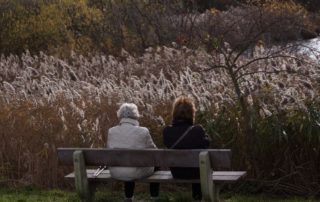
column 129, row 135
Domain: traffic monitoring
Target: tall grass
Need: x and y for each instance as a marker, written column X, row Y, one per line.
column 47, row 103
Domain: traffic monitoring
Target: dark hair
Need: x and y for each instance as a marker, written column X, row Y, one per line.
column 183, row 109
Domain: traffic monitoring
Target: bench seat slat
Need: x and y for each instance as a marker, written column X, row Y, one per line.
column 166, row 176
column 220, row 158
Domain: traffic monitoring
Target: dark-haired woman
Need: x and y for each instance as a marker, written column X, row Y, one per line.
column 194, row 137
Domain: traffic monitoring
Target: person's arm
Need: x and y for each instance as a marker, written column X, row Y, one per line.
column 203, row 140
column 164, row 137
column 206, row 140
column 149, row 141
column 109, row 142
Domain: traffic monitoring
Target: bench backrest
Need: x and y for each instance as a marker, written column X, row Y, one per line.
column 219, row 158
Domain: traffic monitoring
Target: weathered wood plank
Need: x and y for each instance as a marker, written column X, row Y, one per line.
column 219, row 158
column 166, row 176
column 81, row 181
column 207, row 185
column 216, row 192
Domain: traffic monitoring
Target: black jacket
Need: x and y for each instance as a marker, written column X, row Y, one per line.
column 195, row 139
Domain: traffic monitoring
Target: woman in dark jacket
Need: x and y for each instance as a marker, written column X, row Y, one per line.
column 194, row 137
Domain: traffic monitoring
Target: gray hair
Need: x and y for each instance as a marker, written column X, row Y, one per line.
column 128, row 110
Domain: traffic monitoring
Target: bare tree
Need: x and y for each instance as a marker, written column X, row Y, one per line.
column 249, row 54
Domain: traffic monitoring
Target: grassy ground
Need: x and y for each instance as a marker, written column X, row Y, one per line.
column 33, row 195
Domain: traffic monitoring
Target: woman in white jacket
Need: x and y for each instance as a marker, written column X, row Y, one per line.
column 129, row 135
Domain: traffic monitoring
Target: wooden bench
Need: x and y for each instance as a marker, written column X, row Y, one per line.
column 207, row 160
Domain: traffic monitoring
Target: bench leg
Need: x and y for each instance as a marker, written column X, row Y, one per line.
column 207, row 186
column 216, row 192
column 81, row 181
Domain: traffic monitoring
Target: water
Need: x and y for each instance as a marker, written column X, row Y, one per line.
column 313, row 43
column 312, row 48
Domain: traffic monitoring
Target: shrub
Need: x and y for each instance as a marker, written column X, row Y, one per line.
column 88, row 27
column 48, row 26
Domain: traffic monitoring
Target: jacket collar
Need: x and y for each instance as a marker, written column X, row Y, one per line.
column 182, row 122
column 129, row 121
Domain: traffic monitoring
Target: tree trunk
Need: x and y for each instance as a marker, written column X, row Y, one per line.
column 245, row 122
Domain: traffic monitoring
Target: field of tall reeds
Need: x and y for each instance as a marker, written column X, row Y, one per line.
column 47, row 102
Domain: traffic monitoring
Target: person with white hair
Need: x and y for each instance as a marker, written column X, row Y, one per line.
column 129, row 135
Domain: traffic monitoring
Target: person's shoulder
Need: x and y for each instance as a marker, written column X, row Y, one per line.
column 143, row 129
column 167, row 128
column 198, row 127
column 113, row 128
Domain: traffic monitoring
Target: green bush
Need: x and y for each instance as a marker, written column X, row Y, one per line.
column 285, row 152
column 52, row 26
column 108, row 26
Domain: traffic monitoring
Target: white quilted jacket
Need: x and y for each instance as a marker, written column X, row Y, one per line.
column 129, row 135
